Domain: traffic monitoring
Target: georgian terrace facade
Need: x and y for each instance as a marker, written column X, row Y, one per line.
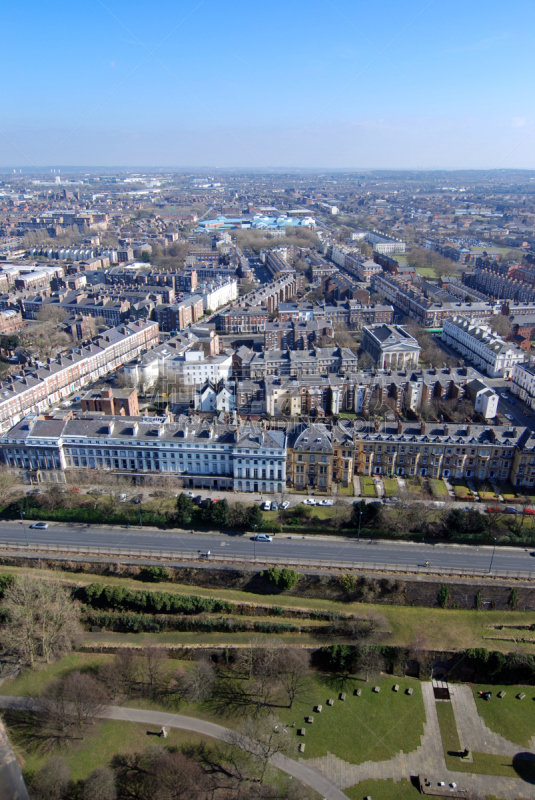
column 39, row 387
column 202, row 455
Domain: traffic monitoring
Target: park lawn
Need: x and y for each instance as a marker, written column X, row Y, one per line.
column 383, row 790
column 391, row 487
column 31, row 682
column 512, row 718
column 438, row 488
column 373, row 726
column 427, row 272
column 101, row 742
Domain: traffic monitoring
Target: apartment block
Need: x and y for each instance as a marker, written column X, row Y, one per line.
column 484, row 348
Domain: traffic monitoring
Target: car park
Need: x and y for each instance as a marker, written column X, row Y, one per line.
column 40, row 525
column 263, row 537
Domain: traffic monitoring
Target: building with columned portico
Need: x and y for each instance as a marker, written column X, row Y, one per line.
column 391, row 347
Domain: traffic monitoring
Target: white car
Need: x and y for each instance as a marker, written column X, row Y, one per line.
column 285, row 505
column 325, row 502
column 263, row 537
column 509, row 417
column 309, row 501
column 266, row 505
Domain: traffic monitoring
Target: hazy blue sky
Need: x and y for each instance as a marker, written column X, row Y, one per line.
column 410, row 83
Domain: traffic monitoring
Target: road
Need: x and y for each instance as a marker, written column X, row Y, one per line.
column 312, row 549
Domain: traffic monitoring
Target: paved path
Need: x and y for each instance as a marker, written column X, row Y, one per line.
column 297, row 769
column 471, row 727
column 428, row 758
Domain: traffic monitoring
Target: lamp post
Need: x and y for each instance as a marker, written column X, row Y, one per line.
column 254, row 540
column 493, row 551
column 140, row 520
column 360, row 520
column 24, row 528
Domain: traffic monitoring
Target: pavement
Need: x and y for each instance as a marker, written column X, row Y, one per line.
column 294, row 549
column 11, row 782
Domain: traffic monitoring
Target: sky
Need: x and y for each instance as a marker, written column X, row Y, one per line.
column 341, row 84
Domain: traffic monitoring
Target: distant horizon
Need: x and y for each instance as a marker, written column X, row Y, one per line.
column 52, row 171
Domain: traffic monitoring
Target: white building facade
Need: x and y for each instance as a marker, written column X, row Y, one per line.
column 485, row 349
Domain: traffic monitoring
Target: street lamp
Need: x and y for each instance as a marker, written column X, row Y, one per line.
column 360, row 520
column 493, row 551
column 140, row 520
column 24, row 528
column 254, row 540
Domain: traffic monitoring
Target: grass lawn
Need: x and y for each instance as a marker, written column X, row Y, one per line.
column 483, row 763
column 391, row 487
column 487, row 495
column 373, row 726
column 31, row 682
column 512, row 718
column 427, row 272
column 347, row 490
column 462, row 491
column 383, row 790
column 438, row 488
column 367, row 486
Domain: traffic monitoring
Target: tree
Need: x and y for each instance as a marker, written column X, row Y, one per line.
column 69, row 703
column 52, row 781
column 184, row 510
column 262, row 738
column 501, row 325
column 293, row 667
column 369, row 660
column 254, row 516
column 100, row 785
column 42, row 621
column 220, row 514
column 197, row 683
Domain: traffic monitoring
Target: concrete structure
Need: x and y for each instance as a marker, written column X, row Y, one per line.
column 485, row 349
column 391, row 347
column 484, row 398
column 112, row 402
column 219, row 293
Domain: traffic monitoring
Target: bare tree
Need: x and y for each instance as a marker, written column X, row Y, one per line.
column 369, row 661
column 52, row 780
column 293, row 666
column 262, row 738
column 197, row 683
column 42, row 621
column 100, row 785
column 68, row 704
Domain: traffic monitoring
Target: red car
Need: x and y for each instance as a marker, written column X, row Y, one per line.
column 530, row 512
column 493, row 510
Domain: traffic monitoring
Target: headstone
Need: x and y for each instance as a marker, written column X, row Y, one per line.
column 330, row 702
column 302, row 747
column 164, row 733
column 408, row 691
column 309, row 720
column 357, row 692
column 521, row 695
column 318, row 709
column 300, row 731
column 342, row 695
column 396, row 688
column 376, row 689
column 501, row 694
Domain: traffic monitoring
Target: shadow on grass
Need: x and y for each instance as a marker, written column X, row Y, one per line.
column 524, row 766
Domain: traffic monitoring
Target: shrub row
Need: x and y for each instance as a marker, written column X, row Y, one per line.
column 119, row 598
column 146, row 623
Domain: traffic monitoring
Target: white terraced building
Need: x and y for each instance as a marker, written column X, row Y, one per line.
column 202, row 455
column 523, row 383
column 485, row 349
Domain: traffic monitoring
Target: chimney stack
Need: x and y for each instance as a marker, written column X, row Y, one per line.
column 422, row 427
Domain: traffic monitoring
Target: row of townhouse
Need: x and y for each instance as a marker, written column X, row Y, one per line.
column 202, row 455
column 319, row 455
column 41, row 386
column 253, row 458
column 318, row 361
column 363, row 393
column 427, row 311
column 501, row 286
column 352, row 313
column 478, row 343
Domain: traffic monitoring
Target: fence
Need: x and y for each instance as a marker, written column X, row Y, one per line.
column 268, row 560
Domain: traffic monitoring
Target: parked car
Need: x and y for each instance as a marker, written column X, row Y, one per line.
column 40, row 525
column 266, row 505
column 509, row 417
column 190, row 494
column 309, row 501
column 530, row 512
column 263, row 537
column 34, row 491
column 493, row 510
column 274, row 505
column 513, row 402
column 198, row 499
column 512, row 510
column 285, row 505
column 122, row 498
column 325, row 502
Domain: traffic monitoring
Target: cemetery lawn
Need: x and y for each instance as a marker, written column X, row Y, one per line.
column 383, row 790
column 512, row 718
column 371, row 727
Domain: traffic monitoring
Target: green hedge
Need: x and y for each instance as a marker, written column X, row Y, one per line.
column 148, row 623
column 120, row 598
